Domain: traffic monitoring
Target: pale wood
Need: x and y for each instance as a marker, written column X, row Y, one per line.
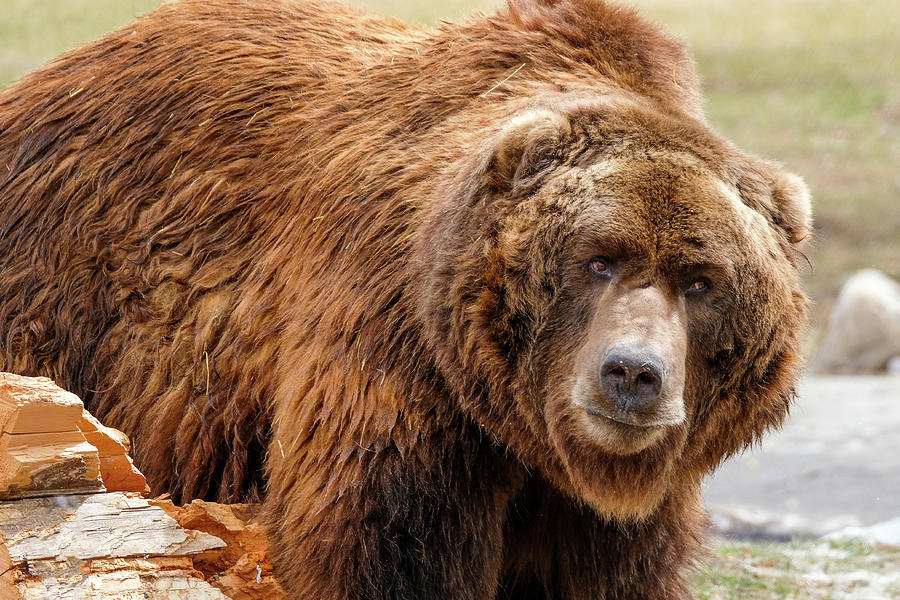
column 108, row 545
column 50, row 445
column 36, row 405
column 134, row 578
column 243, row 569
column 59, row 539
column 40, row 464
column 116, row 467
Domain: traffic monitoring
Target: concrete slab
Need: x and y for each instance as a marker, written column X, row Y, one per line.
column 837, row 456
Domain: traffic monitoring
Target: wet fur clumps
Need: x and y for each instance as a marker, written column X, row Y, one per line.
column 301, row 253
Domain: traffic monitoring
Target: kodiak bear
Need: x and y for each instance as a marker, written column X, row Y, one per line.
column 474, row 308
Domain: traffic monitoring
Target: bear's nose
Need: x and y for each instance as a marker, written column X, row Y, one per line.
column 631, row 377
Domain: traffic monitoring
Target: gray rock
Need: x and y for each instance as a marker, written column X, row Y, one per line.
column 886, row 533
column 864, row 328
column 893, row 366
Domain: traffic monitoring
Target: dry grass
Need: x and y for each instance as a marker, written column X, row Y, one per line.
column 34, row 31
column 814, row 83
column 811, row 570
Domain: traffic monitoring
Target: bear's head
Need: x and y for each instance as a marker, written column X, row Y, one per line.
column 613, row 294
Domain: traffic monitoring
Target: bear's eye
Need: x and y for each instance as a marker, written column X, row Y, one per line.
column 601, row 267
column 697, row 287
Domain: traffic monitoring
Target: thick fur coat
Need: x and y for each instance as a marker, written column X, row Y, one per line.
column 369, row 271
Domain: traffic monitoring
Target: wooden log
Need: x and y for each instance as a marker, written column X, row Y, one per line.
column 110, row 545
column 116, row 467
column 42, row 464
column 243, row 569
column 36, row 405
column 58, row 542
column 50, row 445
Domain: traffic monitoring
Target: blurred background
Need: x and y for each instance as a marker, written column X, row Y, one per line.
column 814, row 84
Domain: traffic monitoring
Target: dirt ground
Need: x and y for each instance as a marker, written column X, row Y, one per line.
column 836, row 460
column 800, row 570
column 835, row 463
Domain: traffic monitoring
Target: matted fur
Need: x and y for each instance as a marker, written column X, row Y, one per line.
column 289, row 247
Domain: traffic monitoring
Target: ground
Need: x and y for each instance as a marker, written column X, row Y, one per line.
column 834, row 464
column 837, row 456
column 800, row 570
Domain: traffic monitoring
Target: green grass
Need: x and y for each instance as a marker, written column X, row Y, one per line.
column 812, row 83
column 34, row 31
column 801, row 570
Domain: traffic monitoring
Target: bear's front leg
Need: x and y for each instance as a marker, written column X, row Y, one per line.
column 387, row 520
column 559, row 549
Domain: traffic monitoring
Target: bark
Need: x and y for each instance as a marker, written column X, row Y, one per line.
column 50, row 445
column 74, row 525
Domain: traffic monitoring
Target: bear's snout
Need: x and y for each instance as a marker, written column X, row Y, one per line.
column 632, row 378
column 631, row 369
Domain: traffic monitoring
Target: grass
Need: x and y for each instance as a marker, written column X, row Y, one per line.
column 800, row 570
column 813, row 83
column 32, row 32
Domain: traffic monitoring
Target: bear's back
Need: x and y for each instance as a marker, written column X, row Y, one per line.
column 176, row 193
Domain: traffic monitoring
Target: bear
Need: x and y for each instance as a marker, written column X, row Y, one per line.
column 472, row 310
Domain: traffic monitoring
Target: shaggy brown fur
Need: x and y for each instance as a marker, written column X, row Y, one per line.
column 286, row 243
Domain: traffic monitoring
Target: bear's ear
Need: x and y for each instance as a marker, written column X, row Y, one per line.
column 794, row 206
column 527, row 145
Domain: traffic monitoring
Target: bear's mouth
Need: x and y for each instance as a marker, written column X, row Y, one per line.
column 631, row 420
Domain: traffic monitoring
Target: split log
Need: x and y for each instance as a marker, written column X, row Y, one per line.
column 57, row 542
column 50, row 445
column 99, row 546
column 242, row 569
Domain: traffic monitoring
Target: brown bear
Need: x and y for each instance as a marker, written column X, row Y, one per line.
column 474, row 308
